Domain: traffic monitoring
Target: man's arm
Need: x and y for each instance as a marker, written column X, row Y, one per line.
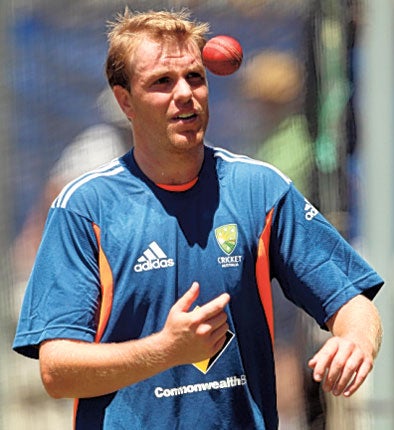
column 80, row 369
column 345, row 359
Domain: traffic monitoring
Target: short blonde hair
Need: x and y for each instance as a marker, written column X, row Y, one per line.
column 129, row 29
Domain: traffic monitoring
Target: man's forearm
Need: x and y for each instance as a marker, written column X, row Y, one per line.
column 78, row 369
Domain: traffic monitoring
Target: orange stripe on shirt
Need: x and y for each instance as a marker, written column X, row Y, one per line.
column 75, row 410
column 263, row 273
column 179, row 188
column 107, row 289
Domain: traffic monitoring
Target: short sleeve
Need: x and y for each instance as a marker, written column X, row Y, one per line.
column 63, row 292
column 316, row 267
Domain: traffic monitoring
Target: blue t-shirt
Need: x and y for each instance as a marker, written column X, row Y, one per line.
column 118, row 251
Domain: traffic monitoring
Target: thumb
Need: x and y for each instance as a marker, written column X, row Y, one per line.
column 185, row 302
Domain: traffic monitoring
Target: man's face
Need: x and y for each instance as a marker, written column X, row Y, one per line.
column 168, row 96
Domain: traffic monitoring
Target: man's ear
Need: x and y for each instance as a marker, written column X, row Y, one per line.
column 124, row 100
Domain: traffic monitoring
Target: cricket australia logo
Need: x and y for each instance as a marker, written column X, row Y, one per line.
column 153, row 258
column 227, row 238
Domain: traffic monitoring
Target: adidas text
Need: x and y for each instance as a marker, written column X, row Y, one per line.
column 156, row 264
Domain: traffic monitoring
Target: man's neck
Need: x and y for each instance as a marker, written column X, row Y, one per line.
column 171, row 169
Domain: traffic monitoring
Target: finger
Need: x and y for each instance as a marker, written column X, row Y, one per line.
column 220, row 333
column 219, row 343
column 336, row 369
column 185, row 302
column 352, row 365
column 212, row 324
column 214, row 307
column 322, row 360
column 358, row 379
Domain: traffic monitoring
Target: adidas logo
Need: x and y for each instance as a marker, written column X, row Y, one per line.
column 153, row 258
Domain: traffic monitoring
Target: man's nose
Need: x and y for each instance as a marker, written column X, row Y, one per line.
column 183, row 91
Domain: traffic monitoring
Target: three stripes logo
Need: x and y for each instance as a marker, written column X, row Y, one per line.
column 153, row 258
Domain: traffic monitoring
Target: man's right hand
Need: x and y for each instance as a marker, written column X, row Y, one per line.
column 195, row 335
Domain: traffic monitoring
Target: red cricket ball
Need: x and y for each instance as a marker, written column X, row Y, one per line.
column 222, row 55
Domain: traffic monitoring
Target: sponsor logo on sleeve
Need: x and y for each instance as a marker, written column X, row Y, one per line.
column 310, row 211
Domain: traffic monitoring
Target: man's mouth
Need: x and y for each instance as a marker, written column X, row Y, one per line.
column 186, row 116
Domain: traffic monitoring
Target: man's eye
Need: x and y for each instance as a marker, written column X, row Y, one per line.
column 162, row 81
column 196, row 78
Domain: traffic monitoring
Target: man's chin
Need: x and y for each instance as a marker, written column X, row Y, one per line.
column 188, row 141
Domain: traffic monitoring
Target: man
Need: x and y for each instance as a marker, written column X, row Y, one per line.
column 150, row 296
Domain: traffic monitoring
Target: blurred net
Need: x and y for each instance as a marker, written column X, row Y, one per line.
column 290, row 104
